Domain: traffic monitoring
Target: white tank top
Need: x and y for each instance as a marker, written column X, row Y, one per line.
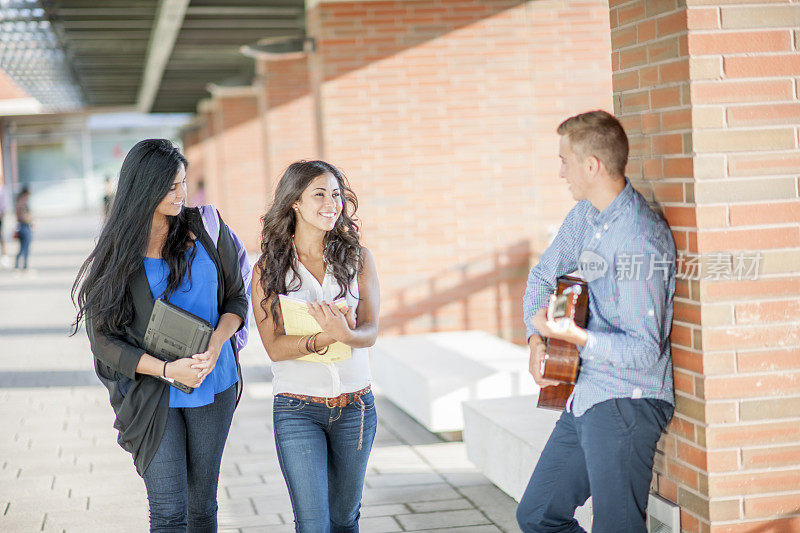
column 321, row 379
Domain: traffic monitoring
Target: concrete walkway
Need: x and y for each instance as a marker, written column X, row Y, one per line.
column 62, row 470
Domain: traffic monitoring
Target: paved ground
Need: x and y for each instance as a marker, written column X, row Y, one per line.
column 61, row 469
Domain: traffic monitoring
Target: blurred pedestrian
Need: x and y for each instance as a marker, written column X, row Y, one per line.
column 199, row 196
column 108, row 196
column 152, row 247
column 24, row 227
column 5, row 262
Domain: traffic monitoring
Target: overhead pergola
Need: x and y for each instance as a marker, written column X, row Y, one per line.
column 154, row 55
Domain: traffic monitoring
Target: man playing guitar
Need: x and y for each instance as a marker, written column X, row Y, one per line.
column 604, row 443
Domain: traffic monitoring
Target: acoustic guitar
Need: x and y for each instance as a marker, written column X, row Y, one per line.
column 562, row 361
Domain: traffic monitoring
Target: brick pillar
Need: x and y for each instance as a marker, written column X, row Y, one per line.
column 206, row 110
column 193, row 151
column 709, row 96
column 443, row 115
column 233, row 160
column 288, row 111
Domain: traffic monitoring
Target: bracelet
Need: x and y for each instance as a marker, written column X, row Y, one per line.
column 164, row 370
column 323, row 352
column 314, row 342
column 316, row 351
column 308, row 340
column 299, row 341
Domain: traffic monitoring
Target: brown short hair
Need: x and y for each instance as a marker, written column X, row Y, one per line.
column 599, row 134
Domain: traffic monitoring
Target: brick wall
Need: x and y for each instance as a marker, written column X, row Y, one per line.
column 442, row 113
column 709, row 94
column 229, row 147
column 288, row 112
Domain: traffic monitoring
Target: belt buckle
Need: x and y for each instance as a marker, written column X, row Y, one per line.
column 328, row 405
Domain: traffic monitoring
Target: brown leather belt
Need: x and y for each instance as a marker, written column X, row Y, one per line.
column 339, row 401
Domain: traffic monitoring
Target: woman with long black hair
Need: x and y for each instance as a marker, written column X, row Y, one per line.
column 152, row 247
column 323, row 413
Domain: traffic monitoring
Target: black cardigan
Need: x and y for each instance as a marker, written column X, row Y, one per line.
column 140, row 401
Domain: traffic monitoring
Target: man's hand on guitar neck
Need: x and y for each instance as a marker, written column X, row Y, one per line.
column 546, row 328
column 537, row 346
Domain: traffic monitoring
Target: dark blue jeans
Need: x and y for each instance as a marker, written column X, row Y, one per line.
column 606, row 453
column 184, row 472
column 320, row 460
column 25, row 237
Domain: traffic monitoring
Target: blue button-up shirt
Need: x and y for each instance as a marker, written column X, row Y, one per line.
column 627, row 255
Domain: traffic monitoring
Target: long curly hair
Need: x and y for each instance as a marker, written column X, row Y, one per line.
column 341, row 246
column 102, row 289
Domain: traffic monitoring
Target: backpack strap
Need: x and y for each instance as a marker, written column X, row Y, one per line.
column 210, row 217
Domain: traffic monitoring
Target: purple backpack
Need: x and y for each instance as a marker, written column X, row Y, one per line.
column 211, row 222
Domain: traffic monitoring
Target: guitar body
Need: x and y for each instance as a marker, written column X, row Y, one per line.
column 562, row 362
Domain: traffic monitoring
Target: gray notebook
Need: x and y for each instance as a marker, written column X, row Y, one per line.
column 173, row 333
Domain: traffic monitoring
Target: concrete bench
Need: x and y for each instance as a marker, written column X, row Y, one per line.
column 429, row 376
column 504, row 438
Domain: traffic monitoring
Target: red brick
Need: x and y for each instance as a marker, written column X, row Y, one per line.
column 754, row 483
column 677, row 120
column 729, row 436
column 714, row 291
column 761, row 66
column 683, row 382
column 751, row 239
column 763, row 312
column 702, row 18
column 630, row 13
column 668, row 144
column 623, row 37
column 769, row 360
column 718, row 92
column 665, row 97
column 764, row 114
column 646, row 30
column 768, row 506
column 675, row 71
column 672, row 24
column 739, row 42
column 680, row 216
column 733, row 387
column 632, row 57
column 689, row 453
column 773, row 525
column 771, row 457
column 687, row 359
column 685, row 475
column 682, row 427
column 722, row 461
column 760, row 165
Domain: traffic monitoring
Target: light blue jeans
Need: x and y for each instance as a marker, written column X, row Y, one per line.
column 182, row 478
column 320, row 460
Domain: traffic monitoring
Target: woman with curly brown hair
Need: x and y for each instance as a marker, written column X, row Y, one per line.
column 324, row 413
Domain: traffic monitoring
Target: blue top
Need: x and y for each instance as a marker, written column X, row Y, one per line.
column 200, row 299
column 627, row 255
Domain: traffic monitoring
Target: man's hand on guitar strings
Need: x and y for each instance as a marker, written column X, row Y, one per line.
column 571, row 333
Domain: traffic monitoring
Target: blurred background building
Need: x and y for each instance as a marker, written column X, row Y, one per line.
column 442, row 113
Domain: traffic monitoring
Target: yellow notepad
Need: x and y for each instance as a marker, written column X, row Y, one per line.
column 297, row 321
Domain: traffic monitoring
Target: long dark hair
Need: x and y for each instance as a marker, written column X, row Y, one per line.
column 102, row 288
column 341, row 247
